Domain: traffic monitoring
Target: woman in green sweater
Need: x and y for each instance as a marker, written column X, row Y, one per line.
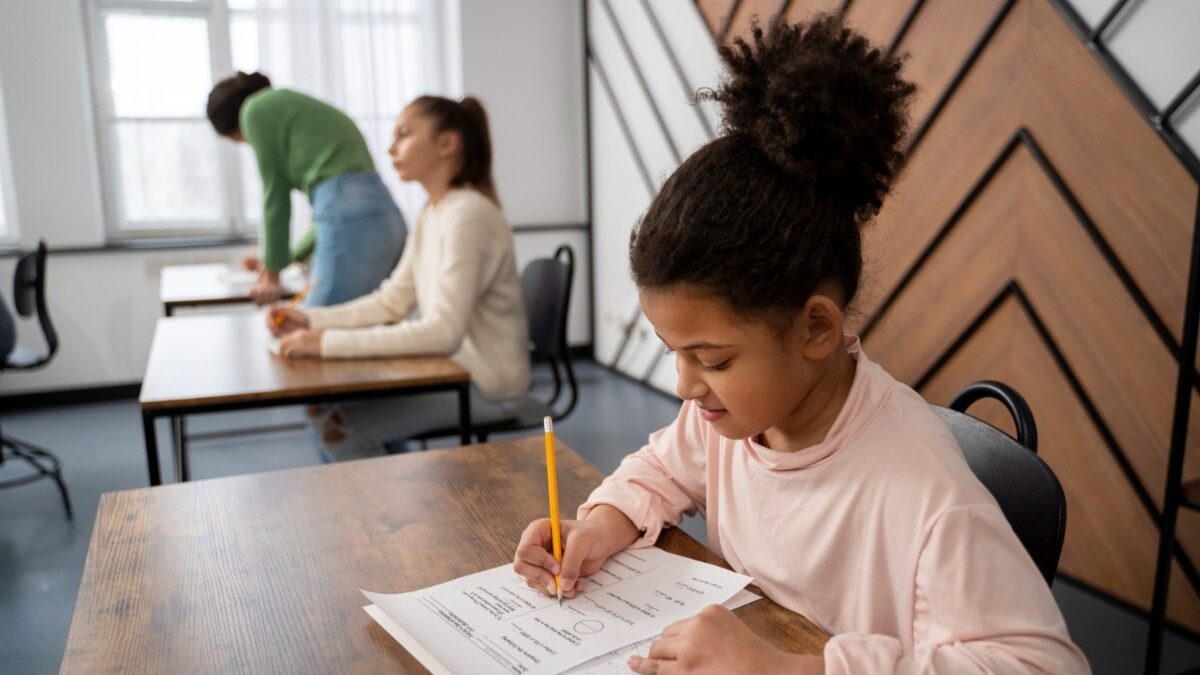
column 304, row 144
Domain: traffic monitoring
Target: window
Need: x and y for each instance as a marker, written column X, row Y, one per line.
column 8, row 211
column 165, row 172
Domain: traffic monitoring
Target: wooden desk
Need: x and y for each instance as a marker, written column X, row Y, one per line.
column 216, row 362
column 203, row 285
column 260, row 573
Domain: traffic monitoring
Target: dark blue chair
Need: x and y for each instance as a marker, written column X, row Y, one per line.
column 29, row 295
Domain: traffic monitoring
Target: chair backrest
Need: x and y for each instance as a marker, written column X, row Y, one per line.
column 1026, row 489
column 546, row 288
column 29, row 296
column 8, row 332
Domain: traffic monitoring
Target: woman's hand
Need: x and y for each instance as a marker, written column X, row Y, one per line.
column 585, row 548
column 716, row 641
column 284, row 320
column 267, row 289
column 301, row 344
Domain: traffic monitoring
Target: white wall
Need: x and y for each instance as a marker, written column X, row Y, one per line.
column 524, row 60
column 48, row 111
column 663, row 129
column 105, row 303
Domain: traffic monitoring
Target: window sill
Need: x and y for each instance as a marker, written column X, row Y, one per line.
column 133, row 245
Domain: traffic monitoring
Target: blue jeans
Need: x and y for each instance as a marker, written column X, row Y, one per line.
column 360, row 234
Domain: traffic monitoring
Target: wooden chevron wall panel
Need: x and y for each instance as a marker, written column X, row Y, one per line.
column 1039, row 235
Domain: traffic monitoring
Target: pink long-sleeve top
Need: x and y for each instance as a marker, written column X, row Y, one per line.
column 880, row 534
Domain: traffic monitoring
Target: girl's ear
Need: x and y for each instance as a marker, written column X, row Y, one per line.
column 821, row 323
column 449, row 144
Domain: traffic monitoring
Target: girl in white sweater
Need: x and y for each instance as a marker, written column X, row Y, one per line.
column 455, row 292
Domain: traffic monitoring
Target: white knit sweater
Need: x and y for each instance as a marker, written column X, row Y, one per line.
column 455, row 292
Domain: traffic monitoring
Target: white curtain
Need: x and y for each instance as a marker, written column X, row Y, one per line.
column 367, row 57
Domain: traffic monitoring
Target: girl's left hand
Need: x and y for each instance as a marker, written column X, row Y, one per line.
column 301, row 344
column 716, row 641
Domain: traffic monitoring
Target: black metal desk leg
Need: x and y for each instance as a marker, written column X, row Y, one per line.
column 151, row 449
column 464, row 413
column 179, row 438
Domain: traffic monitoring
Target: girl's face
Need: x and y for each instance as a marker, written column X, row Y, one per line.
column 745, row 377
column 418, row 150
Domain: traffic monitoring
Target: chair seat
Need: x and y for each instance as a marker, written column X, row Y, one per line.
column 23, row 357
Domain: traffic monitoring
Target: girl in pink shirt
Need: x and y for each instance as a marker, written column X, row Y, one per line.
column 832, row 484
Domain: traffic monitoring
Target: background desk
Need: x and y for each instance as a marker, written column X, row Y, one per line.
column 204, row 285
column 215, row 362
column 261, row 573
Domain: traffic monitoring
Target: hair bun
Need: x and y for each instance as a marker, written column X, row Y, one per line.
column 822, row 104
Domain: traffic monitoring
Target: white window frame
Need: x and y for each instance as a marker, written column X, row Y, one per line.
column 234, row 220
column 9, row 230
column 231, row 221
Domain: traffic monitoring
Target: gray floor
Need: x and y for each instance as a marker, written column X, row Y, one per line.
column 42, row 554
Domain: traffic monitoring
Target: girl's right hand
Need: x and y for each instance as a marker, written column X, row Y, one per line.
column 284, row 320
column 585, row 549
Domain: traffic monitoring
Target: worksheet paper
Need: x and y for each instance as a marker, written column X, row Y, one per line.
column 492, row 622
column 616, row 661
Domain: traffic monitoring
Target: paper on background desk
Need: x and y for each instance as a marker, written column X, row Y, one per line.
column 492, row 622
column 291, row 277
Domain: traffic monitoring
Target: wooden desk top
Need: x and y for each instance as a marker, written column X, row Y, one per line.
column 185, row 285
column 260, row 573
column 222, row 359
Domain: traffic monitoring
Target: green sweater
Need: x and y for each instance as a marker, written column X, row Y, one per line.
column 298, row 142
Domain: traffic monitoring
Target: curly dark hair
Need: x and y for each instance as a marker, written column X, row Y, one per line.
column 770, row 210
column 226, row 99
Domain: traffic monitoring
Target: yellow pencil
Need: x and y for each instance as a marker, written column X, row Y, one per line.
column 552, row 482
column 296, row 300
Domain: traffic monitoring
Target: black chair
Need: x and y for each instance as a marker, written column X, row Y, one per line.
column 546, row 289
column 1027, row 490
column 29, row 295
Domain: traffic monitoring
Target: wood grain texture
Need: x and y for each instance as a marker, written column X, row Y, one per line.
column 1111, row 541
column 198, row 285
column 716, row 14
column 1018, row 230
column 261, row 573
column 1035, row 74
column 877, row 19
column 952, row 26
column 803, row 10
column 223, row 359
column 749, row 11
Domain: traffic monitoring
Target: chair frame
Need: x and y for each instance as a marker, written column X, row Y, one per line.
column 29, row 296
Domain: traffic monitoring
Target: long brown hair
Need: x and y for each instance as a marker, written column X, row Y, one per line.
column 468, row 119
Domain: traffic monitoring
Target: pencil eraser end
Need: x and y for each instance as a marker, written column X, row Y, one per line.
column 548, row 424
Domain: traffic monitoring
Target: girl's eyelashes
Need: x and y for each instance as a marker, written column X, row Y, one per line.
column 720, row 366
column 708, row 369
